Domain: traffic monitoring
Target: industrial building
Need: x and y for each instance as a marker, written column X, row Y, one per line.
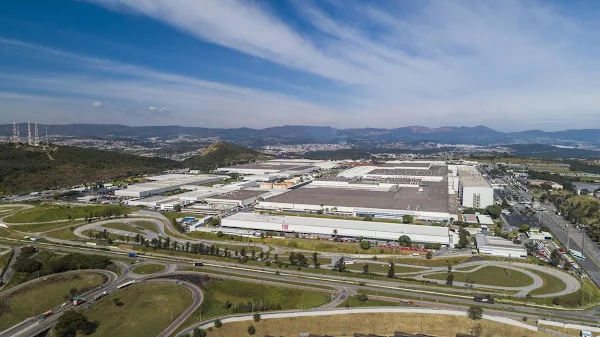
column 495, row 246
column 473, row 190
column 343, row 228
column 166, row 183
column 274, row 168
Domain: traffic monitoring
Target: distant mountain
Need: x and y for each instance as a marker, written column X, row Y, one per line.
column 295, row 134
column 26, row 169
column 222, row 154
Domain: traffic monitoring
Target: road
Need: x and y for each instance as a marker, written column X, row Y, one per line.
column 8, row 274
column 569, row 237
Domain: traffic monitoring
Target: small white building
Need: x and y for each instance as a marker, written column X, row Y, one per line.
column 495, row 246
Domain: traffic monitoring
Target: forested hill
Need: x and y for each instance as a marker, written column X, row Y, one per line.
column 222, row 154
column 26, row 169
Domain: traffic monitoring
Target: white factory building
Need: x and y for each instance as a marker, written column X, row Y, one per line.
column 166, row 183
column 345, row 228
column 473, row 190
column 495, row 246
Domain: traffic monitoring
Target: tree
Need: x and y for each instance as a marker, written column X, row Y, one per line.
column 566, row 266
column 407, row 218
column 555, row 258
column 315, row 259
column 218, row 323
column 365, row 268
column 524, row 228
column 368, row 218
column 71, row 322
column 251, row 330
column 463, row 238
column 335, row 233
column 365, row 244
column 494, row 211
column 117, row 302
column 531, row 247
column 340, row 265
column 256, row 317
column 362, row 297
column 429, row 255
column 199, row 332
column 72, row 293
column 584, row 191
column 404, row 241
column 475, row 312
column 450, row 279
column 391, row 273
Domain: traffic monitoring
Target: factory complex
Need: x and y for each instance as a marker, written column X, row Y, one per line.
column 429, row 192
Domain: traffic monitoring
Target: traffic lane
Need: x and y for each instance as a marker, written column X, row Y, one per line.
column 588, row 264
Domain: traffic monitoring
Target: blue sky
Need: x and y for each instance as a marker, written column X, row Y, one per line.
column 510, row 65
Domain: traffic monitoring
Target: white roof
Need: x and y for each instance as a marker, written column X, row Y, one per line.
column 341, row 224
column 485, row 219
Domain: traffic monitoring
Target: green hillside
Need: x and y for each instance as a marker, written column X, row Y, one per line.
column 222, row 154
column 26, row 169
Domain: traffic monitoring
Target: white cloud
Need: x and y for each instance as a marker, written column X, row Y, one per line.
column 97, row 104
column 507, row 64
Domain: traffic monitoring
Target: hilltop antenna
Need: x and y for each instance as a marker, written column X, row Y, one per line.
column 36, row 139
column 29, row 141
column 15, row 137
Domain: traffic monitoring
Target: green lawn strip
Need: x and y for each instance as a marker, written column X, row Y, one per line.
column 552, row 284
column 147, row 225
column 41, row 296
column 465, row 268
column 490, row 275
column 217, row 293
column 123, row 227
column 382, row 267
column 111, row 236
column 63, row 234
column 329, row 246
column 10, row 234
column 266, row 277
column 353, row 302
column 47, row 213
column 435, row 262
column 44, row 227
column 146, row 310
column 149, row 268
column 4, row 259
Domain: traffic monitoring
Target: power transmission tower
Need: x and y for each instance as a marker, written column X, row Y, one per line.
column 29, row 140
column 15, row 137
column 36, row 138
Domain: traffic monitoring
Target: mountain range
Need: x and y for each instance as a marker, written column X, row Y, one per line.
column 295, row 134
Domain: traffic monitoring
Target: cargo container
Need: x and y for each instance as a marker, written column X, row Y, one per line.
column 132, row 255
column 123, row 285
column 78, row 300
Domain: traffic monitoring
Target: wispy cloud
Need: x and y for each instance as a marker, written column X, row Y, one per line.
column 391, row 64
column 97, row 104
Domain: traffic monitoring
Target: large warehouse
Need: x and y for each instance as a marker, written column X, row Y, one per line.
column 343, row 228
column 473, row 190
column 166, row 183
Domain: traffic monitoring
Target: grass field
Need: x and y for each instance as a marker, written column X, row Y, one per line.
column 63, row 234
column 330, row 246
column 552, row 284
column 383, row 267
column 435, row 262
column 149, row 268
column 147, row 225
column 44, row 295
column 220, row 291
column 371, row 323
column 492, row 276
column 7, row 233
column 44, row 227
column 47, row 213
column 123, row 227
column 4, row 259
column 353, row 302
column 147, row 310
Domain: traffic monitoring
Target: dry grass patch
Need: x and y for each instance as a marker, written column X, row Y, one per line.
column 371, row 323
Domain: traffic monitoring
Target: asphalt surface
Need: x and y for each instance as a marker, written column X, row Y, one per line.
column 568, row 237
column 9, row 272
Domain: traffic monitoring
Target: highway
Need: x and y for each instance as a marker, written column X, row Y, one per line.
column 567, row 235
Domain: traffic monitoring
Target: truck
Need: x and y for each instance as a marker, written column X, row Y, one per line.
column 100, row 295
column 79, row 300
column 123, row 285
column 132, row 255
column 46, row 314
column 409, row 302
column 482, row 299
